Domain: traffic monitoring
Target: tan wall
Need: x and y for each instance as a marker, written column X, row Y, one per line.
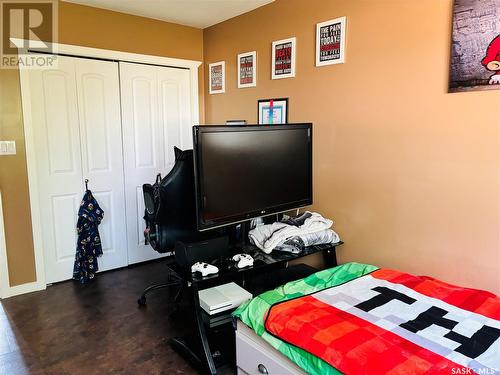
column 14, row 183
column 85, row 26
column 410, row 174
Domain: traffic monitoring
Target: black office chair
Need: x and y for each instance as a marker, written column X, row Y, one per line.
column 170, row 215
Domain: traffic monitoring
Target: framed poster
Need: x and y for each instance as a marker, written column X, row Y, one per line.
column 217, row 77
column 330, row 42
column 247, row 69
column 475, row 52
column 273, row 111
column 283, row 58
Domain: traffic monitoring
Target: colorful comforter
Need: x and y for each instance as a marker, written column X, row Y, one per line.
column 357, row 319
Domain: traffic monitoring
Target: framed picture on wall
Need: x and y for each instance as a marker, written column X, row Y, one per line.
column 217, row 77
column 330, row 42
column 247, row 69
column 475, row 52
column 283, row 58
column 273, row 111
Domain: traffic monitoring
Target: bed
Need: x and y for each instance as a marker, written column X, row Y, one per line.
column 359, row 319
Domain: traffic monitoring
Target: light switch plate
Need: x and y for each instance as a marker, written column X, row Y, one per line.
column 7, row 147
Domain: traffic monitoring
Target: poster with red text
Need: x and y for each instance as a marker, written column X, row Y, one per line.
column 216, row 77
column 330, row 42
column 283, row 58
column 247, row 69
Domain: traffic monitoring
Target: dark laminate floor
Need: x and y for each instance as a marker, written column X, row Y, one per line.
column 93, row 329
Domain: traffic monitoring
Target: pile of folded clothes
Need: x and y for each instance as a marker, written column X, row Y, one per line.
column 293, row 234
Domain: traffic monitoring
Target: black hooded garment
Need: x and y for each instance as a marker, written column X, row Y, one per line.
column 88, row 246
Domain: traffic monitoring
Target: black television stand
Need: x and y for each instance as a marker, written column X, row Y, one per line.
column 198, row 350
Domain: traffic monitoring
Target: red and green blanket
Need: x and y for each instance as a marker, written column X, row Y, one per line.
column 381, row 322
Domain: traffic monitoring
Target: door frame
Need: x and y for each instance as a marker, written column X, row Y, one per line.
column 86, row 52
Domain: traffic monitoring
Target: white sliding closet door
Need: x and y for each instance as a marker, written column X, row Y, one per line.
column 54, row 112
column 98, row 87
column 156, row 116
column 75, row 112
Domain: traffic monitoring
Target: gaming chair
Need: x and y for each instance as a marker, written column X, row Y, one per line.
column 170, row 213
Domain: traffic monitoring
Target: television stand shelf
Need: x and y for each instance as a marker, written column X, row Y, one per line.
column 203, row 358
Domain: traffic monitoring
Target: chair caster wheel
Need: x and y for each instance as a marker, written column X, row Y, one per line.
column 142, row 301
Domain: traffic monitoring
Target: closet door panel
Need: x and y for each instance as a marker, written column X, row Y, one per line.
column 63, row 210
column 175, row 111
column 60, row 123
column 102, row 157
column 156, row 116
column 143, row 149
column 144, row 128
column 54, row 112
column 94, row 120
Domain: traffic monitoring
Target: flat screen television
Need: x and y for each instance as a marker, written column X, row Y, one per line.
column 243, row 172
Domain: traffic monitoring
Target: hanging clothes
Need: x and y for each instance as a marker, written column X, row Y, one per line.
column 88, row 246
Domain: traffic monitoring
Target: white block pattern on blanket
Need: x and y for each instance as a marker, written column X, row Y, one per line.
column 393, row 315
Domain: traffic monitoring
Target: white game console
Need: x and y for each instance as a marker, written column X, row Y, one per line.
column 222, row 297
column 204, row 268
column 243, row 260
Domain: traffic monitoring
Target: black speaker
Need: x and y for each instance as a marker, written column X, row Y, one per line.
column 186, row 254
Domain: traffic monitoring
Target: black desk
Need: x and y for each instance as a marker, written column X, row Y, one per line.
column 263, row 263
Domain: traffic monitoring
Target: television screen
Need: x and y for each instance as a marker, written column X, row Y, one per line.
column 242, row 172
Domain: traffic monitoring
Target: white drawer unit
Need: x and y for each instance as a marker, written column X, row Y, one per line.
column 254, row 356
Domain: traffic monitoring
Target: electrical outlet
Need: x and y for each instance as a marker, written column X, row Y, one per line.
column 7, row 147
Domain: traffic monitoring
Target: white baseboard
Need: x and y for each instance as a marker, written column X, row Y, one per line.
column 11, row 291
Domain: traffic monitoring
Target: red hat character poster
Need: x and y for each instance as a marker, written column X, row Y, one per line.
column 475, row 55
column 492, row 60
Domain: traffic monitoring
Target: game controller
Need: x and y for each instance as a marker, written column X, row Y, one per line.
column 204, row 268
column 244, row 260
